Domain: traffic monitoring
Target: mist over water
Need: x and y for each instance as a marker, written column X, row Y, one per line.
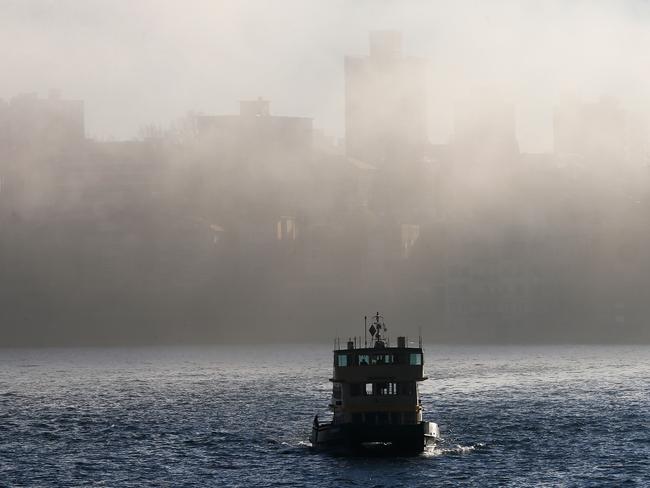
column 221, row 171
column 196, row 196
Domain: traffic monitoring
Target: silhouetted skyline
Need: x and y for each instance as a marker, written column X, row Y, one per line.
column 149, row 63
column 257, row 225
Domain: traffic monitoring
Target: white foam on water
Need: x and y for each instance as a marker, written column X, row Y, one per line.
column 456, row 450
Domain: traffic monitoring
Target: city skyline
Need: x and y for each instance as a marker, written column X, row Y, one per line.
column 227, row 217
column 208, row 71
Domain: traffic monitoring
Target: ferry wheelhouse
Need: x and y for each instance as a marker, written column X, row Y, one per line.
column 375, row 400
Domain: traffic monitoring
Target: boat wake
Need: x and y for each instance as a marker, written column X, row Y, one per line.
column 453, row 451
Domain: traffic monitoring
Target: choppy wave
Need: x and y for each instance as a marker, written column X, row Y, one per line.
column 224, row 417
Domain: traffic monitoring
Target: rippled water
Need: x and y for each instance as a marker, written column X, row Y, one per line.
column 240, row 416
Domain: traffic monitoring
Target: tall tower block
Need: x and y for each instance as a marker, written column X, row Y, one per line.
column 385, row 103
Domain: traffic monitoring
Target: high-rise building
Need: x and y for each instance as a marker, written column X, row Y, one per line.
column 385, row 103
column 44, row 122
column 596, row 131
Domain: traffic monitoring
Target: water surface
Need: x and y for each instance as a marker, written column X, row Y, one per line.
column 240, row 416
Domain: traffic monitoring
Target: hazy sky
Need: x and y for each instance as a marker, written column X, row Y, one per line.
column 136, row 62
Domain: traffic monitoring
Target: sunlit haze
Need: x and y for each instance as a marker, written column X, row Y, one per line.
column 218, row 171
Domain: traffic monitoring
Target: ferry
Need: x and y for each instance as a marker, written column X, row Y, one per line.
column 375, row 402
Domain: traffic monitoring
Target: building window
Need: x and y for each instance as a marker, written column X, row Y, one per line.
column 410, row 234
column 286, row 229
column 415, row 359
column 342, row 360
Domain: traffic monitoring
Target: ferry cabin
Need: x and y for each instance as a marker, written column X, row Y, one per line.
column 377, row 385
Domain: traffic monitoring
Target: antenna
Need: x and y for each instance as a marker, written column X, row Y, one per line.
column 365, row 330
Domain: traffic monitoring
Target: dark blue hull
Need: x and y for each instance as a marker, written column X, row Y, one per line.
column 364, row 437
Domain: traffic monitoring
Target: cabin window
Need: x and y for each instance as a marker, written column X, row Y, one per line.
column 336, row 391
column 381, row 359
column 363, row 359
column 386, row 388
column 381, row 389
column 377, row 359
column 342, row 360
column 415, row 359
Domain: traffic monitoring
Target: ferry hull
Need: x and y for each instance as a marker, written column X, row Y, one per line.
column 395, row 438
